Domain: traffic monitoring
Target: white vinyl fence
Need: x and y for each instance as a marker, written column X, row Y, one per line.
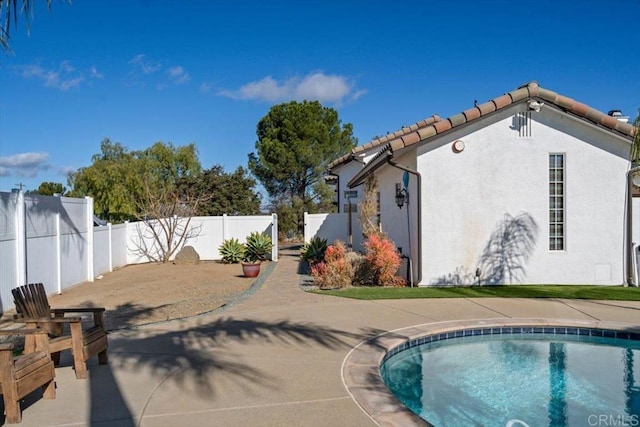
column 53, row 240
column 334, row 226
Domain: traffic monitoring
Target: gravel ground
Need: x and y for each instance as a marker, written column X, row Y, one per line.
column 147, row 293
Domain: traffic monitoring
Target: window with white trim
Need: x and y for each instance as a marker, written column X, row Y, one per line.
column 351, row 194
column 556, row 202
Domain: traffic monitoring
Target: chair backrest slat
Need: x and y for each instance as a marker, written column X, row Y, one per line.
column 31, row 300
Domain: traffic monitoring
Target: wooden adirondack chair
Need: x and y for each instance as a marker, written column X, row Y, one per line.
column 32, row 306
column 21, row 375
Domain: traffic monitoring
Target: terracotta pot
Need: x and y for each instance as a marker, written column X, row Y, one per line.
column 250, row 270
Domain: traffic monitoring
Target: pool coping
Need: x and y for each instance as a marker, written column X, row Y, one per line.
column 361, row 367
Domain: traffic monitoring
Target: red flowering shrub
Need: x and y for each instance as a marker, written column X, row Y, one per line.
column 335, row 271
column 383, row 261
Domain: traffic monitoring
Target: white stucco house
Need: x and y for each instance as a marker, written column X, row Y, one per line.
column 529, row 187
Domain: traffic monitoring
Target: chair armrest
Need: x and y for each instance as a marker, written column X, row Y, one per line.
column 6, row 346
column 78, row 310
column 22, row 331
column 47, row 319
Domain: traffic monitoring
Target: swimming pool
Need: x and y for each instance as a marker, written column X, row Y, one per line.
column 519, row 376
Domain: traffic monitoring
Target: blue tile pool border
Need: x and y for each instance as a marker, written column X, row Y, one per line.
column 512, row 330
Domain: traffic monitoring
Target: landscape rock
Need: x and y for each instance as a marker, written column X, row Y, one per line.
column 187, row 255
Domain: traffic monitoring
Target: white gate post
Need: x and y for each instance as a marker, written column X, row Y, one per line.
column 58, row 251
column 274, row 236
column 89, row 225
column 21, row 238
column 306, row 227
column 110, row 246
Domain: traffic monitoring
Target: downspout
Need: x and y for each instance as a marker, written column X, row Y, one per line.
column 629, row 235
column 418, row 212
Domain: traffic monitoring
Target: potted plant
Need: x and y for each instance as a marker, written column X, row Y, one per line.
column 257, row 249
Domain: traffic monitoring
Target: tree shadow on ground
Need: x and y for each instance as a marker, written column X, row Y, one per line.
column 201, row 360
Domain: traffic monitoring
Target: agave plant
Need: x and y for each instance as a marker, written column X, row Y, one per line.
column 257, row 248
column 313, row 251
column 232, row 251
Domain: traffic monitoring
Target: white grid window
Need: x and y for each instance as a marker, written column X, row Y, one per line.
column 351, row 194
column 352, row 206
column 556, row 202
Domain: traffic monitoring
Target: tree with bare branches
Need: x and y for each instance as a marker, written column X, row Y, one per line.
column 166, row 221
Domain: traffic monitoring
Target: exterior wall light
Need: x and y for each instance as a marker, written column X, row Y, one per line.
column 402, row 195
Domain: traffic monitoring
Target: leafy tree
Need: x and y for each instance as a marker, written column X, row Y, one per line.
column 296, row 142
column 122, row 182
column 231, row 194
column 49, row 189
column 113, row 180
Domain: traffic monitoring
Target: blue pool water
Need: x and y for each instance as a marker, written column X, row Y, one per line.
column 519, row 380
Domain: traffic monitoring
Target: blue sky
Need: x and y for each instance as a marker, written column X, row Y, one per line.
column 142, row 71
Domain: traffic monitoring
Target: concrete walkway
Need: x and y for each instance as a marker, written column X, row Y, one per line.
column 273, row 359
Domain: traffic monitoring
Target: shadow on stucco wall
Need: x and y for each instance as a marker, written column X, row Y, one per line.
column 503, row 258
column 511, row 244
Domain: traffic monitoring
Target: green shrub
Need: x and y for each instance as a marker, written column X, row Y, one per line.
column 232, row 251
column 313, row 251
column 257, row 248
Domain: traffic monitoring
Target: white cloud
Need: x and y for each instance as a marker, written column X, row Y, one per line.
column 143, row 65
column 94, row 73
column 64, row 76
column 330, row 88
column 24, row 164
column 178, row 75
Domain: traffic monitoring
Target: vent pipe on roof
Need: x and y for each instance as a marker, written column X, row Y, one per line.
column 618, row 115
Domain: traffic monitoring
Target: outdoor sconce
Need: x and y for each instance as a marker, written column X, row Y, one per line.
column 401, row 195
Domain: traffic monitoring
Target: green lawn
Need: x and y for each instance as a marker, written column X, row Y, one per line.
column 516, row 291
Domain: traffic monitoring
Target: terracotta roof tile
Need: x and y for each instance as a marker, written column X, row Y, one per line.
column 593, row 114
column 565, row 102
column 471, row 113
column 442, row 126
column 427, row 132
column 434, row 125
column 411, row 138
column 533, row 89
column 396, row 144
column 609, row 121
column 457, row 120
column 502, row 101
column 547, row 94
column 580, row 109
column 486, row 108
column 518, row 94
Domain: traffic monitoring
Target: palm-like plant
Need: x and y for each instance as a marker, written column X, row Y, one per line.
column 257, row 248
column 313, row 251
column 232, row 251
column 9, row 11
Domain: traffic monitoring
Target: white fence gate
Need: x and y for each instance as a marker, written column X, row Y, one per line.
column 334, row 226
column 53, row 240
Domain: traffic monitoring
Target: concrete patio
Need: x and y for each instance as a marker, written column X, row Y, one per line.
column 274, row 359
